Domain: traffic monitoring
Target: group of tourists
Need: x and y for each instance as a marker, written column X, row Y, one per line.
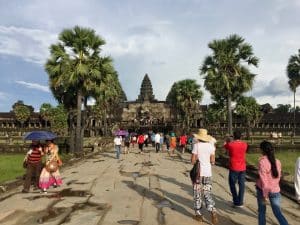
column 267, row 184
column 45, row 174
column 161, row 142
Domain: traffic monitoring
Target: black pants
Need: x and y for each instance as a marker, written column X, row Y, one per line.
column 32, row 169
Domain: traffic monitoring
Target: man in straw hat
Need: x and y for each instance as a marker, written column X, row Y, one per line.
column 204, row 151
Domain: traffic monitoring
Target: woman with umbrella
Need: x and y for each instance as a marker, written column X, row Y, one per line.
column 50, row 175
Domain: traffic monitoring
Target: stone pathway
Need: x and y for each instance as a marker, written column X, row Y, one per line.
column 140, row 189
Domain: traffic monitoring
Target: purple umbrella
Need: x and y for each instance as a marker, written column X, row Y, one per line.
column 121, row 133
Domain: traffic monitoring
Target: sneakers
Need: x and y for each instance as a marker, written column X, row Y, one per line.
column 214, row 217
column 198, row 218
column 44, row 191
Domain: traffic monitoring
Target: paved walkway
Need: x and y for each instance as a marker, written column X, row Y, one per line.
column 140, row 189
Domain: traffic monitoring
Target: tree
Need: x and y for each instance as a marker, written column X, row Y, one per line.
column 59, row 120
column 186, row 96
column 250, row 112
column 283, row 108
column 74, row 70
column 215, row 114
column 22, row 113
column 45, row 112
column 225, row 72
column 293, row 73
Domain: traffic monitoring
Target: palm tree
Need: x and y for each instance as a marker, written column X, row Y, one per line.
column 250, row 112
column 74, row 65
column 293, row 73
column 186, row 96
column 225, row 72
column 45, row 112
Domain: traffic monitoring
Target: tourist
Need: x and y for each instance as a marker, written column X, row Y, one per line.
column 133, row 140
column 167, row 141
column 140, row 141
column 33, row 160
column 153, row 139
column 162, row 141
column 157, row 142
column 146, row 139
column 50, row 176
column 237, row 167
column 126, row 144
column 267, row 185
column 118, row 144
column 172, row 143
column 297, row 180
column 182, row 142
column 204, row 151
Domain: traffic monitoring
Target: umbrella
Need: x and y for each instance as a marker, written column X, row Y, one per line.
column 40, row 135
column 121, row 132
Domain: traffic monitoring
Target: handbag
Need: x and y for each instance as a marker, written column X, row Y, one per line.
column 59, row 162
column 195, row 172
column 52, row 166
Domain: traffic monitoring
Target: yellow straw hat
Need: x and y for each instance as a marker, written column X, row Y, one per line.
column 203, row 136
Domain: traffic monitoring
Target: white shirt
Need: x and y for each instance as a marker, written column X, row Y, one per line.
column 204, row 151
column 297, row 179
column 157, row 138
column 117, row 141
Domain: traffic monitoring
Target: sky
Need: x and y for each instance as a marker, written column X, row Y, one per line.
column 167, row 39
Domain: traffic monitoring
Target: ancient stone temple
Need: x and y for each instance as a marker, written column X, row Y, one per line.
column 146, row 110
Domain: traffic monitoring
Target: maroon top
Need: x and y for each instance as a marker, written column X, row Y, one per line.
column 35, row 156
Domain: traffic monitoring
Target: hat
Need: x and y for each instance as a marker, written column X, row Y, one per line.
column 202, row 135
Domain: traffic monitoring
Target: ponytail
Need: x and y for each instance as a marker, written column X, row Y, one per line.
column 268, row 150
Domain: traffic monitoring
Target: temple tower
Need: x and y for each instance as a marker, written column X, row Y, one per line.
column 146, row 91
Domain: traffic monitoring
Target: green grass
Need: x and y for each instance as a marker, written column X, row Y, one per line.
column 11, row 166
column 287, row 158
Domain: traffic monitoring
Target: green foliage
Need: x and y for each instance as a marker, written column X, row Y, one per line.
column 225, row 71
column 249, row 110
column 186, row 96
column 283, row 108
column 22, row 113
column 59, row 120
column 215, row 114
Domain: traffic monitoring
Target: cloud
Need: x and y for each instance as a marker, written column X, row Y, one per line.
column 3, row 95
column 30, row 44
column 273, row 88
column 34, row 86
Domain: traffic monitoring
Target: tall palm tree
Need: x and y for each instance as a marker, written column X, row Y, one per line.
column 186, row 96
column 293, row 73
column 225, row 71
column 74, row 65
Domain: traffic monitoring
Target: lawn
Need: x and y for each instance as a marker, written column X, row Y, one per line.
column 11, row 165
column 287, row 158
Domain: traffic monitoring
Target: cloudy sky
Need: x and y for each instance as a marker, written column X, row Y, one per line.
column 167, row 39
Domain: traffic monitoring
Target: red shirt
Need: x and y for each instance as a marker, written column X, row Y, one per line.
column 237, row 154
column 183, row 139
column 35, row 156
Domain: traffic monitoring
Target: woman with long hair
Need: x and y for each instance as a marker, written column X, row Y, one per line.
column 267, row 185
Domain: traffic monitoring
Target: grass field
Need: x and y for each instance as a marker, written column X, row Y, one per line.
column 11, row 166
column 287, row 158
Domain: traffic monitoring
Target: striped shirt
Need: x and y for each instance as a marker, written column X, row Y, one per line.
column 35, row 156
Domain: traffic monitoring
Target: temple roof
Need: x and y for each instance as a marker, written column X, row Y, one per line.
column 146, row 91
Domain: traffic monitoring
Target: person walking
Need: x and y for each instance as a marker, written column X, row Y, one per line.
column 297, row 180
column 127, row 144
column 157, row 142
column 50, row 178
column 182, row 142
column 267, row 185
column 237, row 167
column 33, row 160
column 205, row 153
column 172, row 143
column 140, row 141
column 118, row 144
